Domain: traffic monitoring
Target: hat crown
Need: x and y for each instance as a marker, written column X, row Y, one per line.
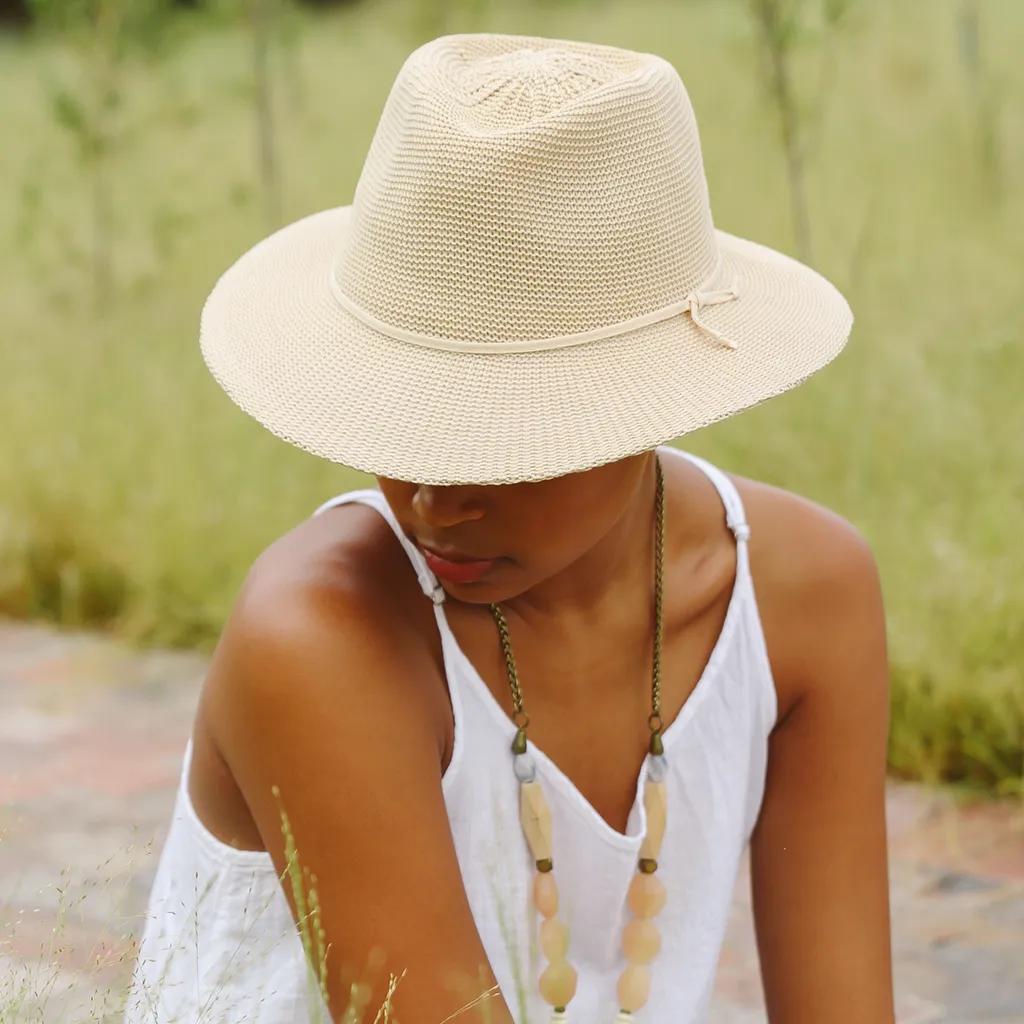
column 520, row 188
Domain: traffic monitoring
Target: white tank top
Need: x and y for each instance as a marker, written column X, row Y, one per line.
column 220, row 944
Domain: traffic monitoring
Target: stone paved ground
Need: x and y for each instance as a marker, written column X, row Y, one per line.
column 91, row 740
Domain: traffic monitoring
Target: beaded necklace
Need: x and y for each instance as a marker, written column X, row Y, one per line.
column 641, row 940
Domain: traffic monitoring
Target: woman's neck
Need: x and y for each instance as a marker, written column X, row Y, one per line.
column 617, row 571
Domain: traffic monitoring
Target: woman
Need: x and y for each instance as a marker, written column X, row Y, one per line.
column 521, row 704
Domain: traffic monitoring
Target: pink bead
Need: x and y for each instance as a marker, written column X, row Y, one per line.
column 634, row 988
column 545, row 894
column 558, row 984
column 647, row 895
column 554, row 939
column 641, row 940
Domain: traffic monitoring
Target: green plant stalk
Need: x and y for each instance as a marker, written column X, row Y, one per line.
column 983, row 95
column 777, row 28
column 259, row 22
column 316, row 957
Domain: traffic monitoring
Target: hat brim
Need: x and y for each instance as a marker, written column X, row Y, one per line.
column 286, row 352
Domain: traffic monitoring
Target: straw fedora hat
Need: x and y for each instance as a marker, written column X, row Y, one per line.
column 528, row 282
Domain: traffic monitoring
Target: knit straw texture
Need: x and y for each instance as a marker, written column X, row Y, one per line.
column 528, row 282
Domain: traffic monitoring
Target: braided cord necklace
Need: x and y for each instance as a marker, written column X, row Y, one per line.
column 641, row 939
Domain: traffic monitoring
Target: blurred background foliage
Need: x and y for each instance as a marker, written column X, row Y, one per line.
column 148, row 143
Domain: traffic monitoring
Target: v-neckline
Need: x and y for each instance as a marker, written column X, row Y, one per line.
column 675, row 728
column 574, row 797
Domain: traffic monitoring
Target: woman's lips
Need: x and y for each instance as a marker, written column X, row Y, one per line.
column 459, row 570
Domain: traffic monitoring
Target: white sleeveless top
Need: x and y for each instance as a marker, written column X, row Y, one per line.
column 220, row 943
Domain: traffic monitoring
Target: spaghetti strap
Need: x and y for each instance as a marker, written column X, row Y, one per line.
column 735, row 514
column 370, row 496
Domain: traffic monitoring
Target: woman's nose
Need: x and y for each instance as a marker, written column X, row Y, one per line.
column 446, row 506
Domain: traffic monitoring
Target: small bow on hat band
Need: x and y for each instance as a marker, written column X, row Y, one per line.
column 698, row 299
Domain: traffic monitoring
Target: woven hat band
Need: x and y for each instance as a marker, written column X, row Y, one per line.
column 711, row 295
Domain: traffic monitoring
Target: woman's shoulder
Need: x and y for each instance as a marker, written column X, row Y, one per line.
column 804, row 544
column 345, row 554
column 800, row 551
column 338, row 576
column 330, row 616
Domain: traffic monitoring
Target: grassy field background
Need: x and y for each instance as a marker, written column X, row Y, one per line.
column 134, row 496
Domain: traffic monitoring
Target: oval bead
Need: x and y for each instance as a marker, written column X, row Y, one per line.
column 558, row 984
column 641, row 940
column 545, row 893
column 647, row 895
column 535, row 818
column 656, row 806
column 634, row 987
column 554, row 939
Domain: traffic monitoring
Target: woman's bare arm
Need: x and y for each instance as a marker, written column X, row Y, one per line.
column 820, row 875
column 311, row 694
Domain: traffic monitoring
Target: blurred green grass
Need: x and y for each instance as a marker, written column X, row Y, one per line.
column 134, row 496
